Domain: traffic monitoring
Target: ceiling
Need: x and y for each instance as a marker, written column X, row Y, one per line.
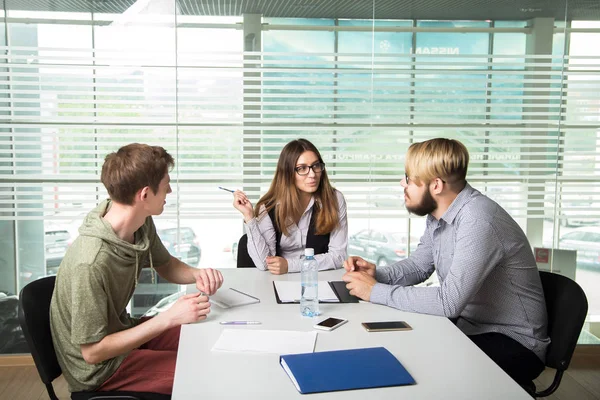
column 352, row 9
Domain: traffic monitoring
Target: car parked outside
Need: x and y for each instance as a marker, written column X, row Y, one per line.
column 234, row 250
column 56, row 241
column 12, row 340
column 380, row 248
column 387, row 198
column 186, row 246
column 571, row 213
column 152, row 288
column 586, row 241
column 163, row 305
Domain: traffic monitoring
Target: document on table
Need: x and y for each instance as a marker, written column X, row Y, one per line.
column 230, row 297
column 265, row 341
column 289, row 292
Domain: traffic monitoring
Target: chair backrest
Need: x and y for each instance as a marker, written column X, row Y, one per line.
column 243, row 258
column 34, row 317
column 567, row 307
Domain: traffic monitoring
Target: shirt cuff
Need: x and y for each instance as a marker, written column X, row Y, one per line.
column 252, row 224
column 380, row 293
column 294, row 266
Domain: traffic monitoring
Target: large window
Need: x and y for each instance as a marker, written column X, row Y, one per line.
column 224, row 94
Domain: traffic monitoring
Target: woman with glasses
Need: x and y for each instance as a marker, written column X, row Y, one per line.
column 301, row 209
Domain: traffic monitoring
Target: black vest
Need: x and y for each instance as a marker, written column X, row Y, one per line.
column 320, row 243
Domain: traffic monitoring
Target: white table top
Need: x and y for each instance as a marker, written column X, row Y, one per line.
column 442, row 360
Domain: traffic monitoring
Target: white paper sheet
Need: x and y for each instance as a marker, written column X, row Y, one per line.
column 265, row 341
column 289, row 292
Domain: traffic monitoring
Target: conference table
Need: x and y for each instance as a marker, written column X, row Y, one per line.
column 443, row 361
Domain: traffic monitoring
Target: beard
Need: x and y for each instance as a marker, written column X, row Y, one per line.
column 427, row 205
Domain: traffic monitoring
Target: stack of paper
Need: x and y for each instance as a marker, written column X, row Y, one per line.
column 289, row 292
column 266, row 341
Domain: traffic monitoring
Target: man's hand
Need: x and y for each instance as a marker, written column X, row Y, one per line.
column 360, row 284
column 208, row 280
column 187, row 309
column 277, row 265
column 357, row 264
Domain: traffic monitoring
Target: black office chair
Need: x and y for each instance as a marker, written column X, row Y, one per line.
column 567, row 307
column 34, row 317
column 243, row 258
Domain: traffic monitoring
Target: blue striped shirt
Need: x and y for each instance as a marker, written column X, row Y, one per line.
column 488, row 276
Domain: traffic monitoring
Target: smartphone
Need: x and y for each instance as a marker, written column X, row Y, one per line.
column 386, row 326
column 330, row 324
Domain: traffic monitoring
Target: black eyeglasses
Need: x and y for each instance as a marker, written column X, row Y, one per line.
column 407, row 178
column 303, row 170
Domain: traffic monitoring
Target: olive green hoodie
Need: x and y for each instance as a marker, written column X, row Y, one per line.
column 95, row 281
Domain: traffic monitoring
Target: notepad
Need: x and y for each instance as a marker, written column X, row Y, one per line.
column 265, row 341
column 289, row 292
column 230, row 297
column 330, row 371
column 342, row 292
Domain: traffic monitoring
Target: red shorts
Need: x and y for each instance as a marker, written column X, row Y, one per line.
column 150, row 368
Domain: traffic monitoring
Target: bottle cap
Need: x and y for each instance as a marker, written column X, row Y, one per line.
column 309, row 252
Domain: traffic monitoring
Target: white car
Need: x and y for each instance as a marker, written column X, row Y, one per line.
column 163, row 304
column 586, row 241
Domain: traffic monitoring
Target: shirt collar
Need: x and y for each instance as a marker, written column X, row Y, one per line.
column 310, row 204
column 461, row 199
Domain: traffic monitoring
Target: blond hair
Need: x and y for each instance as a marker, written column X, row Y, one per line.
column 442, row 158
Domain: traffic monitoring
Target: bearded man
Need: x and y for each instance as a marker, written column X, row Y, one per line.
column 490, row 286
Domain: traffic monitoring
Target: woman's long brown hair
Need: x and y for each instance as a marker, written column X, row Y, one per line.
column 284, row 194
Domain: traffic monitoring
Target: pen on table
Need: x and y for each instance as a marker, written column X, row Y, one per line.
column 240, row 322
column 227, row 190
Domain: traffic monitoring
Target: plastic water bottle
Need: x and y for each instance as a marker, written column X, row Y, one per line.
column 309, row 297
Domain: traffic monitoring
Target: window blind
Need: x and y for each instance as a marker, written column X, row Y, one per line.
column 530, row 122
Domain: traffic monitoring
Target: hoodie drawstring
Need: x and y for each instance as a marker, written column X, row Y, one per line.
column 137, row 268
column 152, row 270
column 137, row 264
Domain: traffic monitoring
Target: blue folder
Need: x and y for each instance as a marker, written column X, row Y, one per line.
column 330, row 371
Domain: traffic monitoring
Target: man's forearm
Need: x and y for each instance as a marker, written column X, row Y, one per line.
column 404, row 273
column 176, row 271
column 122, row 342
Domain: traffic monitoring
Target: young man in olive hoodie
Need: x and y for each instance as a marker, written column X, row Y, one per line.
column 98, row 345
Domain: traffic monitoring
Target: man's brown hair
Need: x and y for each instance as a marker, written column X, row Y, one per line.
column 133, row 167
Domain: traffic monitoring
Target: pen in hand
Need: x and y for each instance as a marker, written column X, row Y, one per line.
column 227, row 190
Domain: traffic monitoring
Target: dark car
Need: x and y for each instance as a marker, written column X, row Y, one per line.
column 186, row 246
column 586, row 241
column 12, row 340
column 381, row 248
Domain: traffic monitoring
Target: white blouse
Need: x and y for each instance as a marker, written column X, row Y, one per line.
column 262, row 238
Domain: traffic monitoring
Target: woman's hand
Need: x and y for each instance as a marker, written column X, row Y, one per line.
column 243, row 205
column 277, row 265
